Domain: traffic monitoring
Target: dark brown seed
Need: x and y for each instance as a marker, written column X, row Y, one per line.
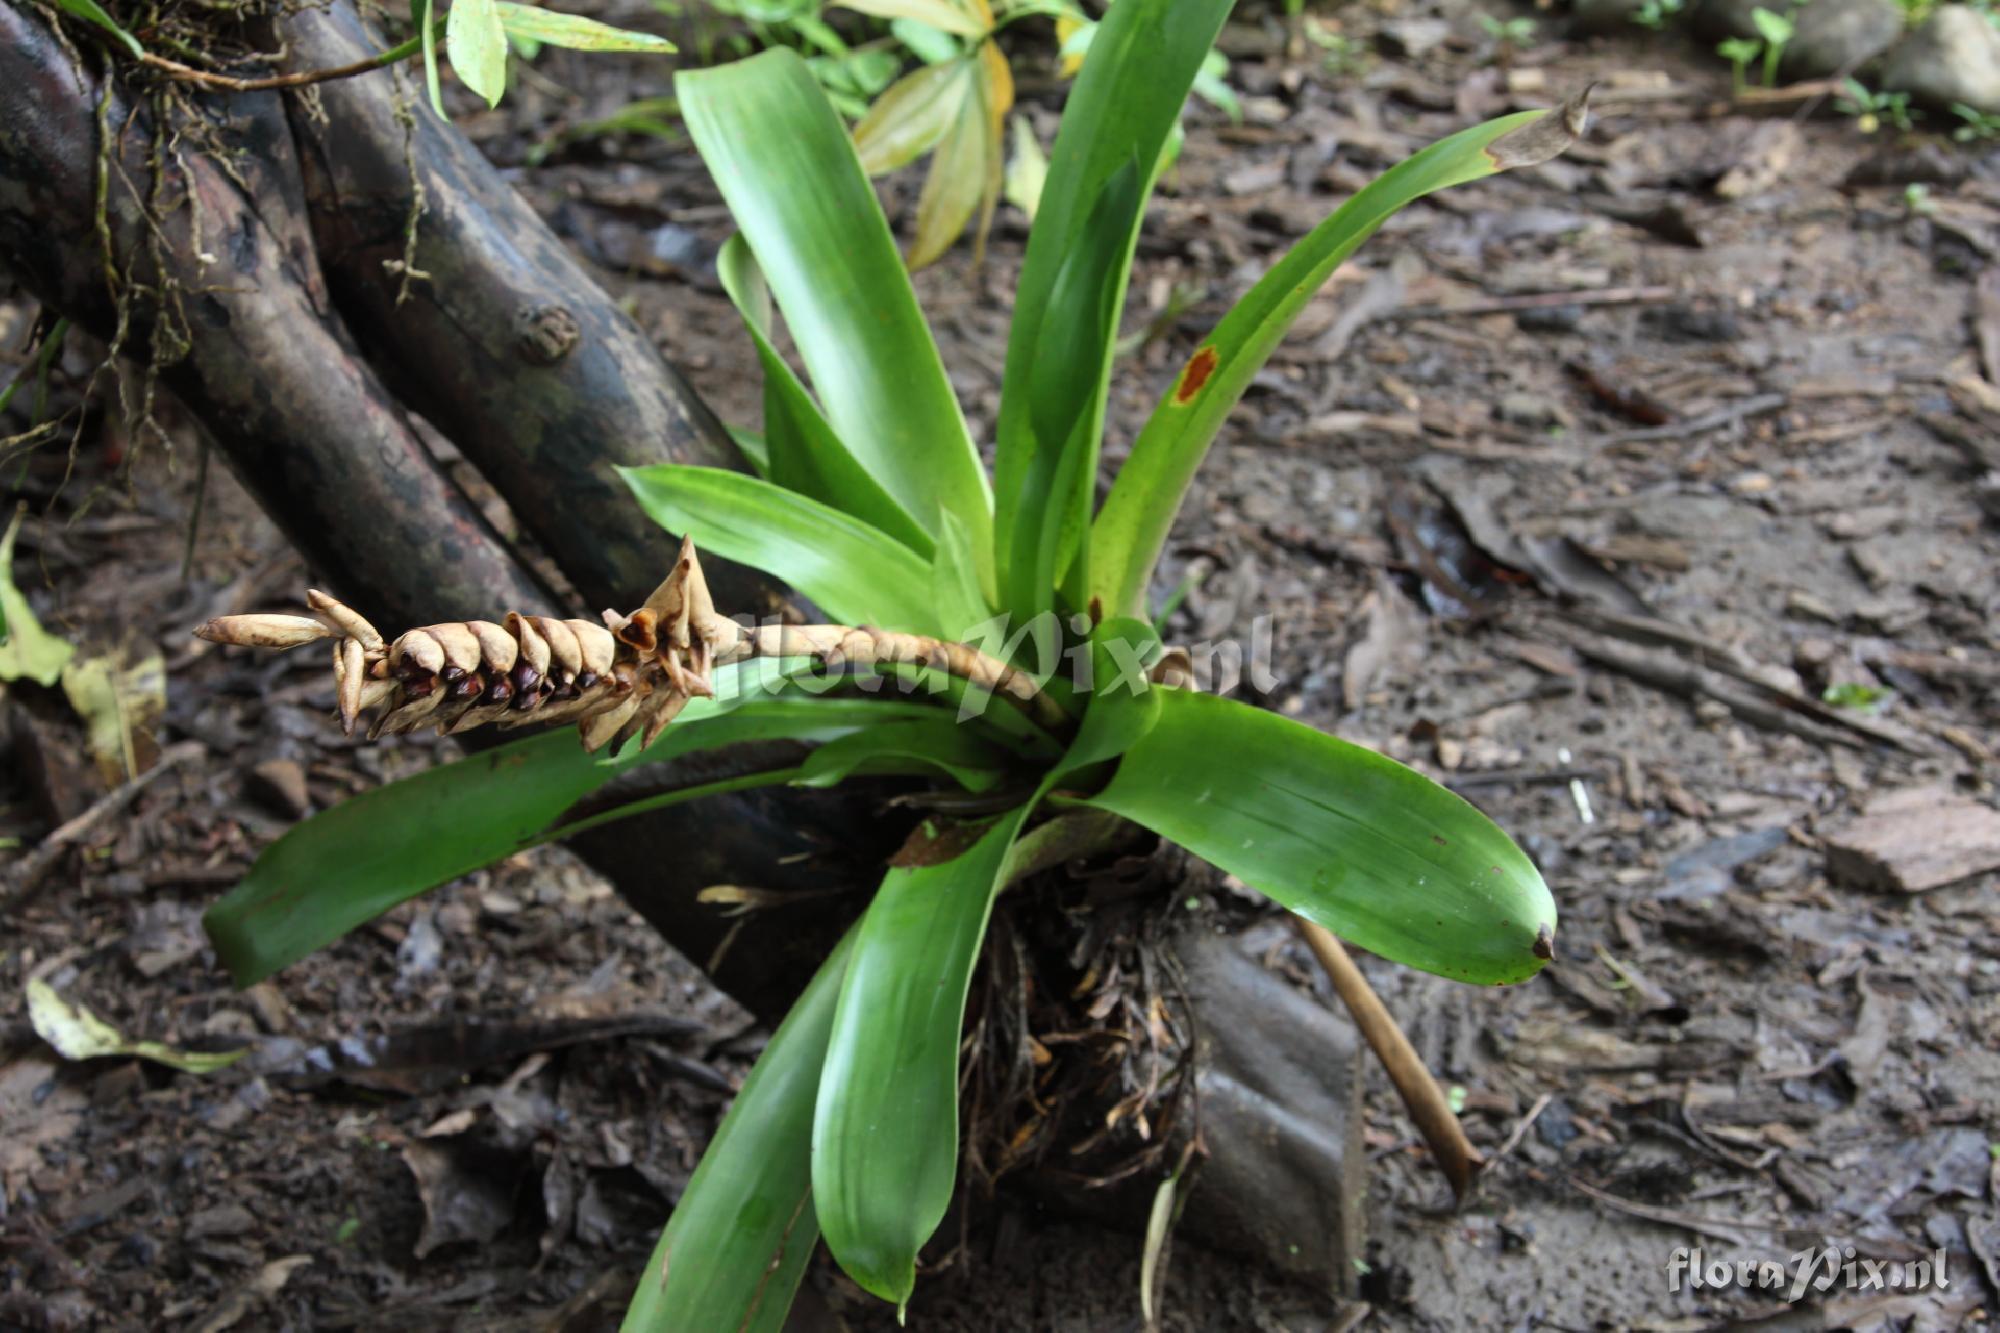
column 499, row 692
column 452, row 674
column 467, row 686
column 586, row 679
column 419, row 685
column 524, row 679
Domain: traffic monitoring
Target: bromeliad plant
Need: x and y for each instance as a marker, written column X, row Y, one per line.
column 870, row 499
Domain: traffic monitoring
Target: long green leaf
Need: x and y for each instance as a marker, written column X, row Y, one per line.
column 1143, row 59
column 955, row 591
column 885, row 1142
column 802, row 453
column 858, row 573
column 382, row 847
column 422, row 13
column 1131, row 529
column 937, row 743
column 738, row 1241
column 91, row 11
column 784, row 162
column 575, row 31
column 885, row 1136
column 1373, row 851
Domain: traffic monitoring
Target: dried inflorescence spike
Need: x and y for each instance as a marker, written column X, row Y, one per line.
column 629, row 676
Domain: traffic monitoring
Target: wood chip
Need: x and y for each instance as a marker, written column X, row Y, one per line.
column 1916, row 839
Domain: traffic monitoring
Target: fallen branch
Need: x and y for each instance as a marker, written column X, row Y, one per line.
column 1421, row 1095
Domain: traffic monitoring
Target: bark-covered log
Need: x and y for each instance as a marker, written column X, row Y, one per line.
column 507, row 346
column 289, row 401
column 267, row 368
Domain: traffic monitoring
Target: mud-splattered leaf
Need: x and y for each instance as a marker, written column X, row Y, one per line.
column 78, row 1034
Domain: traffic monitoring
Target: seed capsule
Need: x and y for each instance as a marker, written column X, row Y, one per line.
column 497, row 649
column 564, row 651
column 344, row 619
column 599, row 729
column 350, row 676
column 419, row 648
column 534, row 648
column 595, row 644
column 264, row 631
column 460, row 644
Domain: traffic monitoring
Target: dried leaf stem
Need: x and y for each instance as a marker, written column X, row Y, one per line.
column 1421, row 1095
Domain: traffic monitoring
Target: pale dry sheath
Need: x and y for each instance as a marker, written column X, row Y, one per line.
column 629, row 676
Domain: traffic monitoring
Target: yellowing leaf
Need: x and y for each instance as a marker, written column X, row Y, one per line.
column 1027, row 169
column 996, row 89
column 908, row 120
column 1072, row 40
column 120, row 704
column 476, row 41
column 27, row 651
column 78, row 1034
column 942, row 14
column 527, row 22
column 954, row 186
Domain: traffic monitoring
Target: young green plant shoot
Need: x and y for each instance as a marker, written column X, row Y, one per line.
column 968, row 609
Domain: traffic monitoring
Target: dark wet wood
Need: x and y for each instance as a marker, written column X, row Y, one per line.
column 508, row 346
column 269, row 371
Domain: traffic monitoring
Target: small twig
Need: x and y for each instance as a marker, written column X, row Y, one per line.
column 1502, row 777
column 1756, row 405
column 1674, row 1217
column 1521, row 1127
column 1507, row 305
column 39, row 862
column 1421, row 1095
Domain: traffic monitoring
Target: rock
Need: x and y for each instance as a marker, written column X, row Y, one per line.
column 1602, row 18
column 281, row 785
column 1839, row 36
column 1953, row 57
column 1413, row 37
column 1533, row 411
column 1916, row 839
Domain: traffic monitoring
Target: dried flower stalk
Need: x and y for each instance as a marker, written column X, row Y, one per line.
column 631, row 675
